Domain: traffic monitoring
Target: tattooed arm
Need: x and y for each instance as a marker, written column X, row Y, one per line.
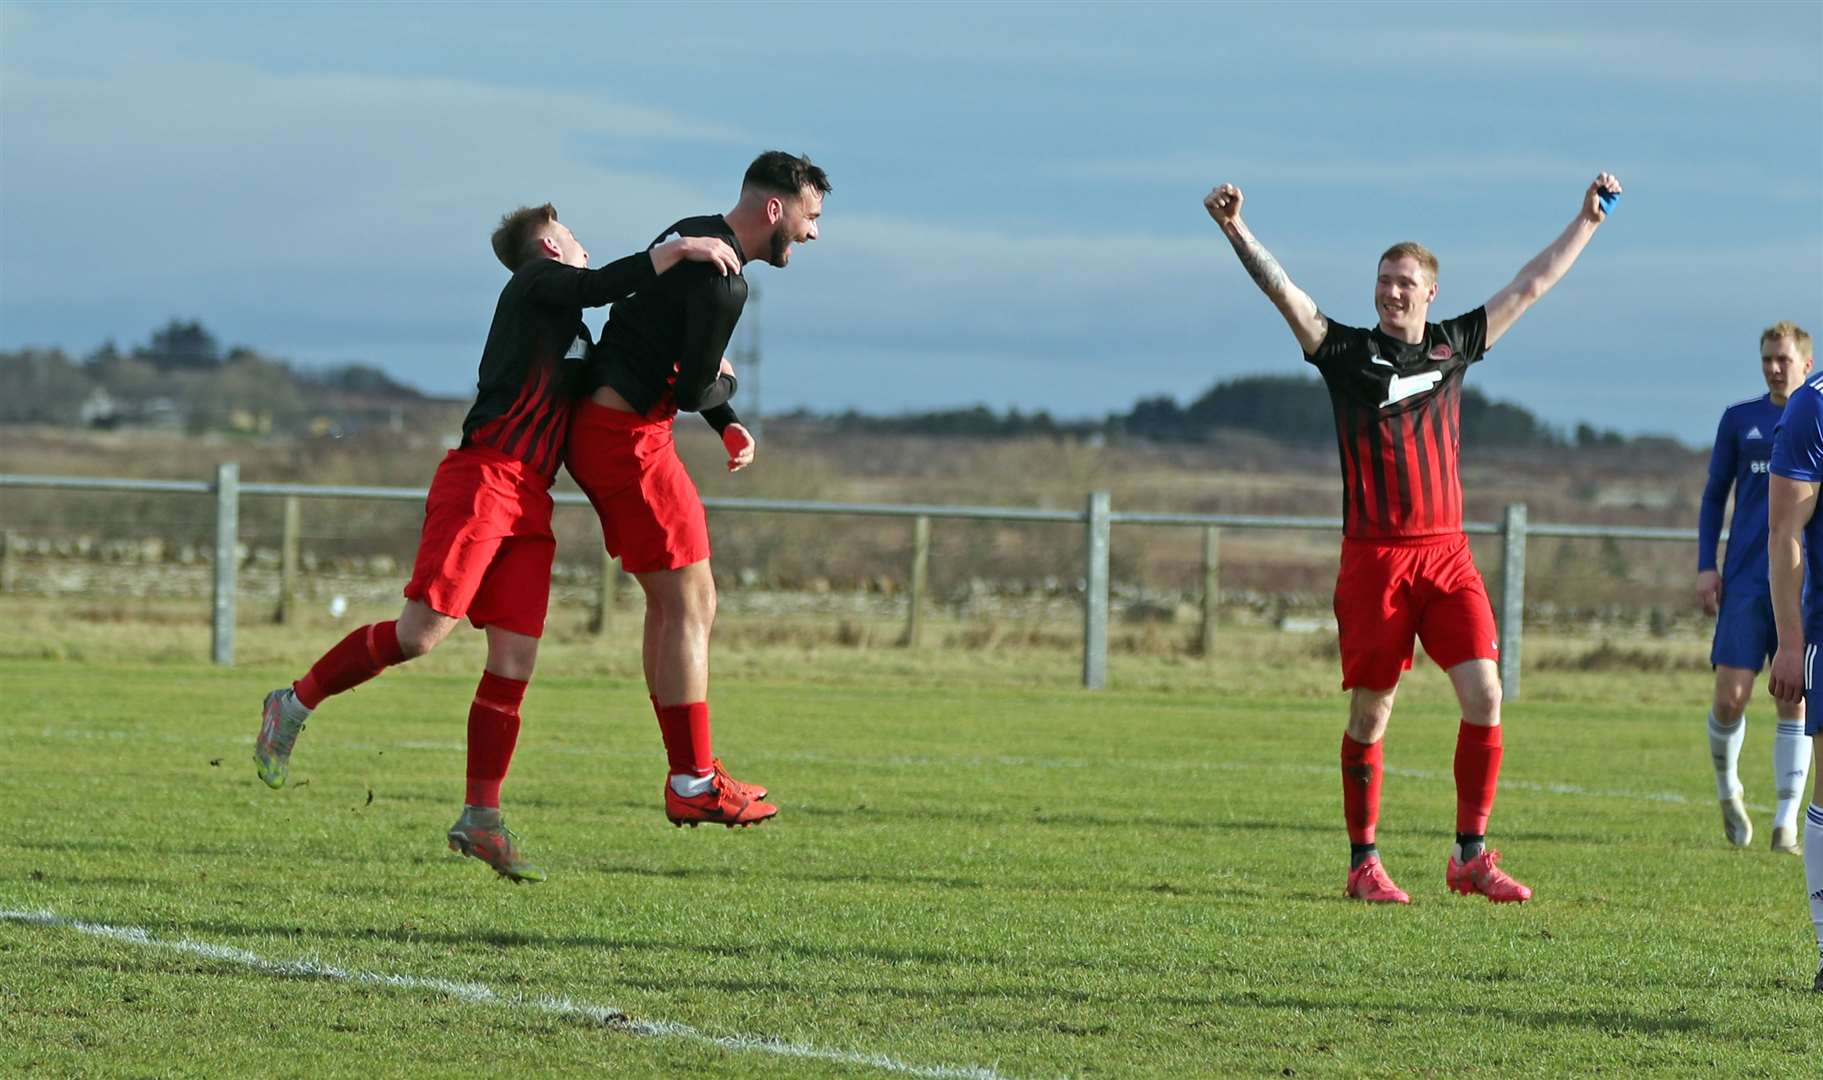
column 1307, row 323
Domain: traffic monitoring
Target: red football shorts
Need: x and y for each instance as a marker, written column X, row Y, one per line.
column 487, row 547
column 1389, row 594
column 651, row 515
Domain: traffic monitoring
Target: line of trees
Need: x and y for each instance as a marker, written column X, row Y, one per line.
column 181, row 377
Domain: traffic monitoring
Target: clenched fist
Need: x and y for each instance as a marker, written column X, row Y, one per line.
column 1224, row 204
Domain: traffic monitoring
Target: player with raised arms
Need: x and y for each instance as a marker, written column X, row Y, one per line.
column 486, row 547
column 1741, row 598
column 1406, row 572
column 1794, row 552
column 661, row 353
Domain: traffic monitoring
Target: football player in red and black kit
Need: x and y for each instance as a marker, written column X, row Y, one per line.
column 486, row 546
column 661, row 353
column 1396, row 392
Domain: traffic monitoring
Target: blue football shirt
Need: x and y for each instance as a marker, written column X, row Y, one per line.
column 1797, row 454
column 1743, row 450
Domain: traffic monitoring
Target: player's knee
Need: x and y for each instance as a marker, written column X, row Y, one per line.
column 417, row 640
column 696, row 604
column 699, row 615
column 1368, row 715
column 1731, row 701
column 1481, row 703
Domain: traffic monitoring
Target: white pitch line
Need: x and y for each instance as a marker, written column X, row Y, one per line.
column 482, row 994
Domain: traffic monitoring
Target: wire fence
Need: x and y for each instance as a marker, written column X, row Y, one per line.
column 1592, row 570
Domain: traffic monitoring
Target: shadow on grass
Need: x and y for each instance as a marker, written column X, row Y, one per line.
column 1609, row 1020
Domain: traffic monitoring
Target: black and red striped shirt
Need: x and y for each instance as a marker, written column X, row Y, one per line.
column 1398, row 411
column 532, row 359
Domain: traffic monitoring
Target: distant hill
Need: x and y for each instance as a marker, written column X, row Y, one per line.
column 181, row 378
column 1288, row 409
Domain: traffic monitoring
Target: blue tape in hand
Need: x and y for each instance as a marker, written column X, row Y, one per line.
column 1608, row 199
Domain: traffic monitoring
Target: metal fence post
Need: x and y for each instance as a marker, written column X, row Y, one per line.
column 1212, row 586
column 1095, row 593
column 9, row 546
column 920, row 573
column 1512, row 598
column 607, row 590
column 288, row 562
column 227, row 533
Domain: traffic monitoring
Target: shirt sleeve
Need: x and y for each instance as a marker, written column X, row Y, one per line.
column 554, row 283
column 1722, row 461
column 721, row 417
column 712, row 305
column 1468, row 334
column 1797, row 446
column 1338, row 341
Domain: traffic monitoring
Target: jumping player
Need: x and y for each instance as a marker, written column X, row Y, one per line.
column 486, row 546
column 1795, row 550
column 1396, row 391
column 661, row 353
column 1744, row 632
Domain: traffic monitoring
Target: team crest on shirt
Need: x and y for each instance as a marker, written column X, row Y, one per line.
column 1442, row 352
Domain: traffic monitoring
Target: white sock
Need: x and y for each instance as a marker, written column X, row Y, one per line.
column 1790, row 768
column 688, row 785
column 1725, row 751
column 1813, row 869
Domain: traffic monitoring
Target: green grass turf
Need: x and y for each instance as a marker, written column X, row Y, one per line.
column 987, row 869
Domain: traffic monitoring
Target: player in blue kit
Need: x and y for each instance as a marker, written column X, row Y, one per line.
column 1741, row 598
column 1795, row 550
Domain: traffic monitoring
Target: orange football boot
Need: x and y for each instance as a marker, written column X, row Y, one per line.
column 727, row 802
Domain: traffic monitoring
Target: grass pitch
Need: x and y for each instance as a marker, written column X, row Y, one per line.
column 976, row 867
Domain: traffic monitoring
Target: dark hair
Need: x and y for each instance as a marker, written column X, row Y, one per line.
column 514, row 236
column 785, row 174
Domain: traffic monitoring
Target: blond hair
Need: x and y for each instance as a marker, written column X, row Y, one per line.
column 1785, row 328
column 1411, row 249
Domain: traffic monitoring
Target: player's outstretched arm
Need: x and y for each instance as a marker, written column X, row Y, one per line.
column 1549, row 266
column 1789, row 506
column 1307, row 323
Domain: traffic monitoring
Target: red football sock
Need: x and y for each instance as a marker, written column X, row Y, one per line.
column 493, row 731
column 686, row 732
column 358, row 657
column 1477, row 775
column 1360, row 788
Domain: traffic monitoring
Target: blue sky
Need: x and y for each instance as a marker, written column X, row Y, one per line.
column 1016, row 217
